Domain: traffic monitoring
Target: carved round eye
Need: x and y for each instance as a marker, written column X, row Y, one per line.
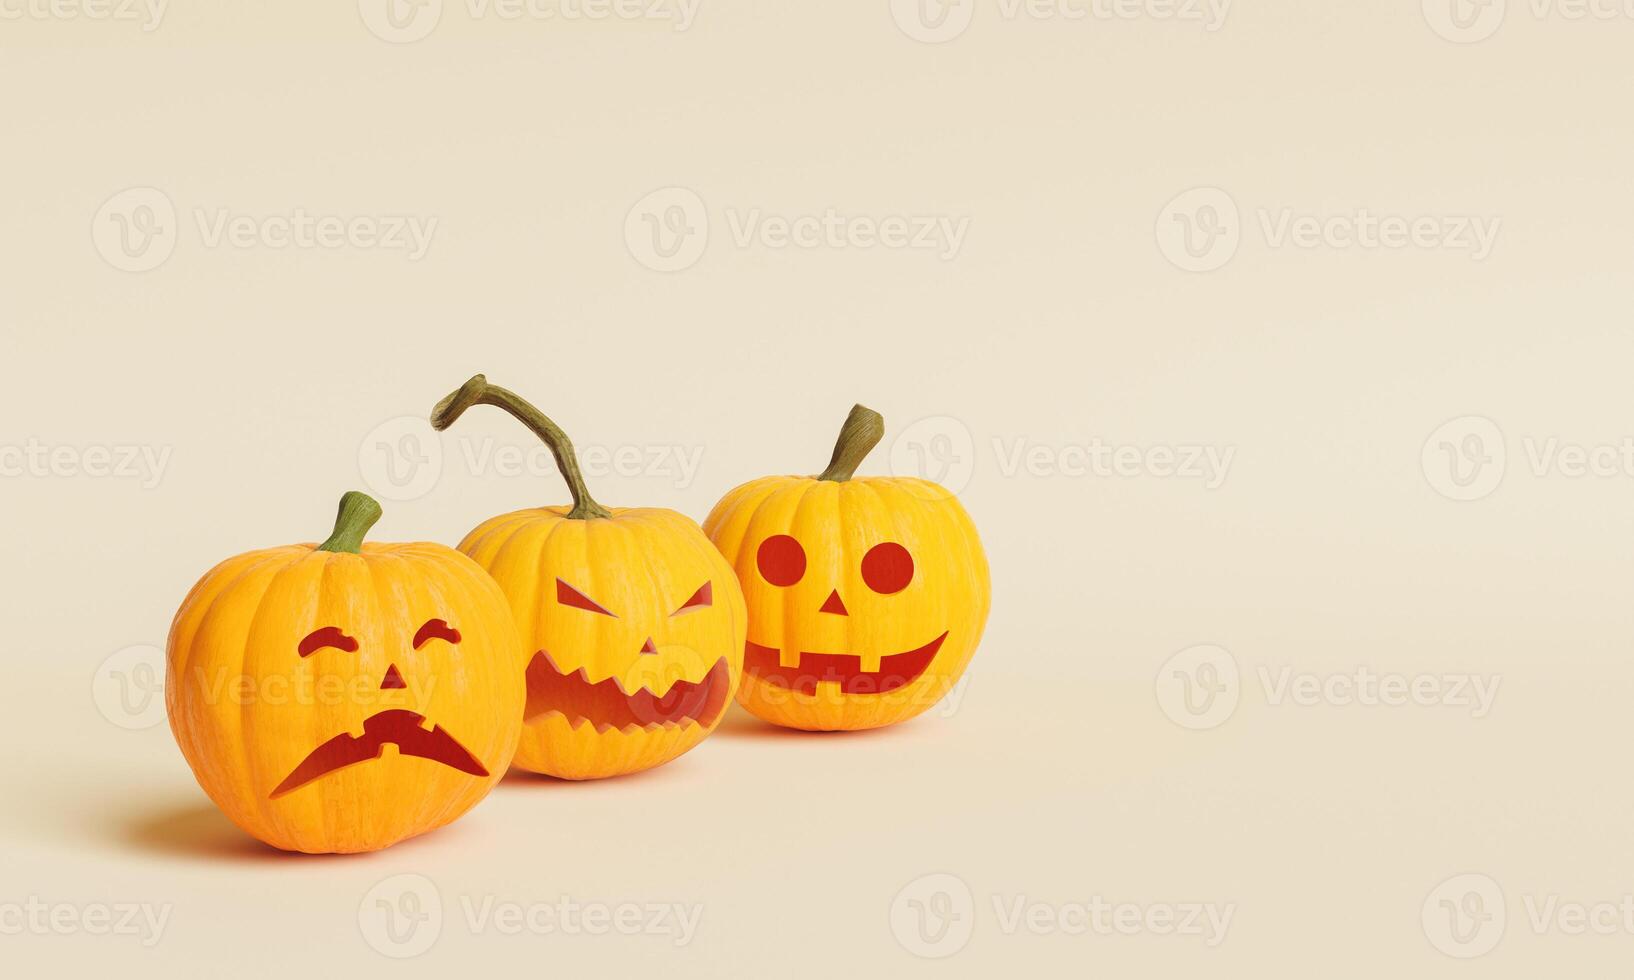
column 782, row 561
column 887, row 568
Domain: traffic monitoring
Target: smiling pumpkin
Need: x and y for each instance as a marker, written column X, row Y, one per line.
column 866, row 595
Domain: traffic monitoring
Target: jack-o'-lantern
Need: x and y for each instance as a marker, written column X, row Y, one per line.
column 867, row 595
column 634, row 622
column 341, row 697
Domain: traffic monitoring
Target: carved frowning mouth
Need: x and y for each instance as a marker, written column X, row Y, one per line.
column 844, row 669
column 605, row 705
column 396, row 726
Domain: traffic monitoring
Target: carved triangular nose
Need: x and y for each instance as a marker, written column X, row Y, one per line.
column 393, row 679
column 648, row 647
column 834, row 605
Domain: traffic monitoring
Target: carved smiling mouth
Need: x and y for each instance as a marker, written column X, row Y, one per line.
column 396, row 726
column 844, row 669
column 605, row 705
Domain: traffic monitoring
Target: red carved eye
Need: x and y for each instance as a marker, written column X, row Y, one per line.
column 435, row 629
column 567, row 595
column 329, row 636
column 887, row 568
column 781, row 559
column 705, row 596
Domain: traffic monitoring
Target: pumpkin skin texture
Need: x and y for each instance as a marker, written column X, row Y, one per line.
column 633, row 622
column 341, row 699
column 867, row 595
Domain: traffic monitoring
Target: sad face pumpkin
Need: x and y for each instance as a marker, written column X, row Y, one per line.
column 866, row 595
column 633, row 621
column 345, row 696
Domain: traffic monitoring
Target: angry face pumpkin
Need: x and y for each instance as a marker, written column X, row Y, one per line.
column 866, row 595
column 344, row 696
column 633, row 621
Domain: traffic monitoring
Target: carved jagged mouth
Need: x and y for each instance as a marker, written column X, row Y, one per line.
column 396, row 726
column 605, row 705
column 844, row 669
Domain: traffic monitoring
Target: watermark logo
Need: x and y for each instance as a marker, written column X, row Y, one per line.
column 402, row 916
column 1465, row 458
column 401, row 459
column 406, row 21
column 1464, row 916
column 933, row 21
column 939, row 449
column 942, row 450
column 128, row 688
column 1199, row 230
column 1199, row 687
column 400, row 21
column 933, row 916
column 1465, row 21
column 136, row 229
column 668, row 230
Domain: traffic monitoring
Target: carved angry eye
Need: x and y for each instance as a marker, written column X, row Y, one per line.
column 329, row 636
column 887, row 568
column 567, row 595
column 781, row 559
column 435, row 629
column 703, row 598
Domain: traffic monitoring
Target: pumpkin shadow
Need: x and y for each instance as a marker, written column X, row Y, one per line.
column 517, row 778
column 740, row 724
column 197, row 830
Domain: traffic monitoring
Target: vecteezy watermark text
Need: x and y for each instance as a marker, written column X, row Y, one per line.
column 943, row 450
column 669, row 229
column 936, row 21
column 137, row 229
column 1467, row 458
column 935, row 915
column 1471, row 21
column 144, row 465
column 1200, row 688
column 402, row 916
column 403, row 459
column 150, row 13
column 1200, row 230
column 1467, row 915
column 143, row 921
column 406, row 21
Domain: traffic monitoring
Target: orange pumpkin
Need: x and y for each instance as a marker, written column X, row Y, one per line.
column 635, row 622
column 866, row 595
column 292, row 670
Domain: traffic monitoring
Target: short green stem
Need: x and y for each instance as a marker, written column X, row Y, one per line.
column 478, row 391
column 358, row 512
column 863, row 430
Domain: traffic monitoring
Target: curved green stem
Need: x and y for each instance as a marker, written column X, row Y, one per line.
column 478, row 391
column 358, row 512
column 863, row 430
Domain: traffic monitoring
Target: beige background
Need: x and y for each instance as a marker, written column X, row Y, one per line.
column 270, row 379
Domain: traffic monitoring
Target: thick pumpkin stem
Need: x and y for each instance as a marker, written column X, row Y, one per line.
column 478, row 391
column 863, row 430
column 358, row 512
